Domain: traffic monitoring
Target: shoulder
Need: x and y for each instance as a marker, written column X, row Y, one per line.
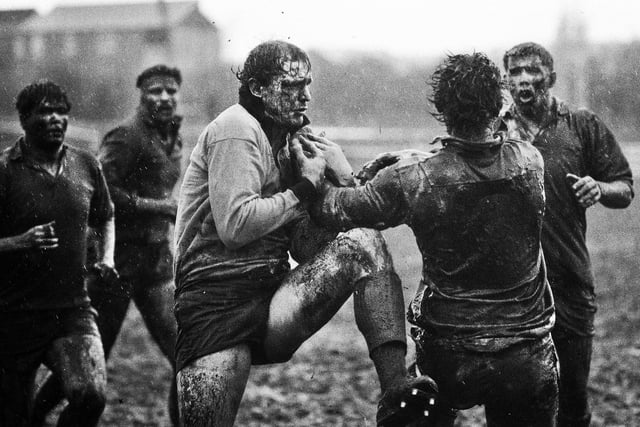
column 437, row 159
column 81, row 154
column 525, row 152
column 123, row 132
column 591, row 130
column 9, row 155
column 83, row 158
column 234, row 123
column 408, row 170
column 581, row 116
column 584, row 115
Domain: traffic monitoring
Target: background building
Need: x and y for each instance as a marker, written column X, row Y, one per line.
column 96, row 51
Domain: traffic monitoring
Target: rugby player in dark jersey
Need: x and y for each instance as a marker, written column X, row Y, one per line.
column 50, row 195
column 483, row 311
column 584, row 166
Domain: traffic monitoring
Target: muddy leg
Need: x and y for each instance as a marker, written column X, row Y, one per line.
column 210, row 388
column 156, row 307
column 112, row 305
column 574, row 353
column 47, row 397
column 355, row 262
column 78, row 361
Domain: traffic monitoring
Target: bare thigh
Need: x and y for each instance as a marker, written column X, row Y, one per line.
column 78, row 361
column 312, row 293
column 156, row 307
column 210, row 388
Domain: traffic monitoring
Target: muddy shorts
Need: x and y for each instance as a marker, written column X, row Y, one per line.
column 215, row 316
column 519, row 381
column 25, row 337
column 143, row 264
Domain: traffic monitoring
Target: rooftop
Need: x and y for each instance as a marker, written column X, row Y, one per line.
column 112, row 17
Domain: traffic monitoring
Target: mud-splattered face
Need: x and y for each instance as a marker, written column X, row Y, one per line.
column 47, row 124
column 529, row 82
column 159, row 97
column 287, row 97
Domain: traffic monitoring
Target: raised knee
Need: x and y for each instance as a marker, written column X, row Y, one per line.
column 367, row 247
column 90, row 398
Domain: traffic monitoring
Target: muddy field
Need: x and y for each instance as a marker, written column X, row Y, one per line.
column 331, row 382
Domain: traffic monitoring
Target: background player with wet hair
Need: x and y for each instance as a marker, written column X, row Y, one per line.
column 141, row 162
column 584, row 166
column 50, row 195
column 483, row 312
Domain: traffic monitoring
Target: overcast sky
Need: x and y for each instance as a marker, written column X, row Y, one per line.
column 414, row 28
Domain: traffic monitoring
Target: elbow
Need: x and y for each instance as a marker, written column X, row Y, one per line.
column 622, row 201
column 234, row 238
column 239, row 228
column 627, row 197
column 626, row 201
column 620, row 204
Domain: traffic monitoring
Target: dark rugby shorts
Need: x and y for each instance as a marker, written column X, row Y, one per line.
column 26, row 336
column 214, row 316
column 144, row 264
column 522, row 378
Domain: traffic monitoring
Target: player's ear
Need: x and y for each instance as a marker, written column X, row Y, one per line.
column 552, row 79
column 255, row 88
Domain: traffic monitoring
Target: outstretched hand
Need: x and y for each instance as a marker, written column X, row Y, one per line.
column 382, row 160
column 41, row 236
column 586, row 189
column 310, row 160
column 338, row 171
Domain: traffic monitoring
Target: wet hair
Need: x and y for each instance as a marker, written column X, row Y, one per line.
column 467, row 93
column 159, row 70
column 266, row 61
column 526, row 49
column 33, row 95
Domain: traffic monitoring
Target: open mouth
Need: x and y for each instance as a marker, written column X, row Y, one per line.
column 55, row 133
column 526, row 96
column 165, row 110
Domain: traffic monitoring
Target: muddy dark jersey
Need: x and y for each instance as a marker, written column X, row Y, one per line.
column 574, row 142
column 137, row 161
column 476, row 211
column 77, row 197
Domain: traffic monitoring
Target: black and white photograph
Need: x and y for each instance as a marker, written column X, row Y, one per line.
column 342, row 213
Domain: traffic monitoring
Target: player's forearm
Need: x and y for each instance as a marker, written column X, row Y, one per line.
column 616, row 194
column 13, row 243
column 346, row 208
column 167, row 207
column 240, row 222
column 106, row 242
